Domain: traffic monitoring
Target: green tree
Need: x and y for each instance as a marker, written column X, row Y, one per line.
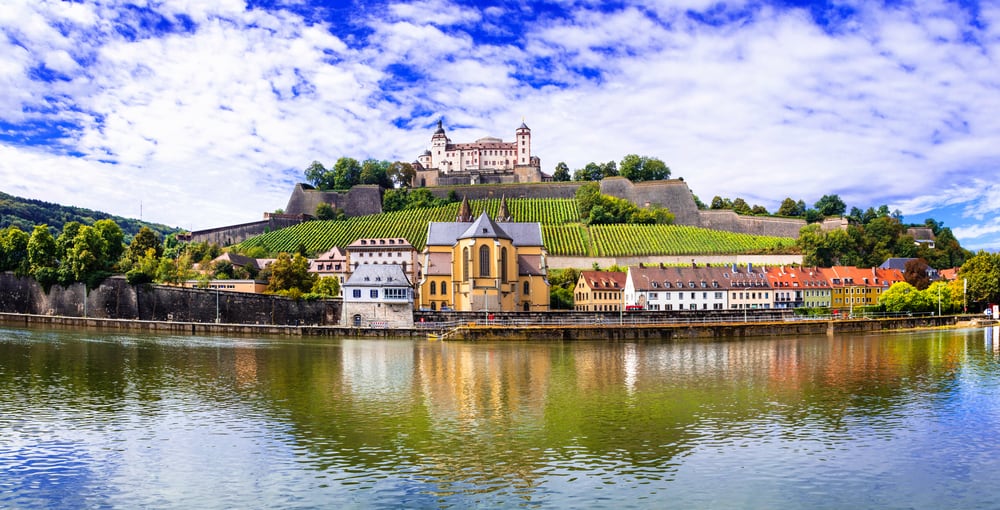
column 830, row 205
column 324, row 211
column 561, row 298
column 14, row 250
column 114, row 242
column 144, row 241
column 43, row 259
column 562, row 172
column 326, row 286
column 901, row 297
column 721, row 203
column 942, row 293
column 346, row 173
column 374, row 171
column 319, row 176
column 982, row 272
column 86, row 258
column 401, row 174
column 790, row 207
column 759, row 210
column 643, row 168
column 290, row 275
column 741, row 206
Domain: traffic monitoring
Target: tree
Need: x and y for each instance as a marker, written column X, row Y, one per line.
column 741, row 206
column 346, row 173
column 721, row 203
column 401, row 174
column 114, row 242
column 915, row 273
column 43, row 260
column 317, row 175
column 790, row 207
column 562, row 172
column 941, row 296
column 86, row 258
column 290, row 275
column 901, row 297
column 374, row 171
column 14, row 250
column 609, row 169
column 759, row 210
column 327, row 286
column 830, row 205
column 591, row 172
column 144, row 241
column 324, row 211
column 642, row 168
column 982, row 272
column 561, row 299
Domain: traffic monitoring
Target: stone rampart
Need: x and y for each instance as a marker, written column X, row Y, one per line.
column 233, row 234
column 116, row 299
column 360, row 200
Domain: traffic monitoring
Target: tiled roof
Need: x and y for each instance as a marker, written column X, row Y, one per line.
column 530, row 265
column 604, row 279
column 447, row 233
column 484, row 227
column 439, row 264
column 680, row 278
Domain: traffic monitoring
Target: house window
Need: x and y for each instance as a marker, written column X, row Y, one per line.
column 434, row 287
column 484, row 261
column 395, row 293
column 527, row 288
column 373, row 293
column 357, row 293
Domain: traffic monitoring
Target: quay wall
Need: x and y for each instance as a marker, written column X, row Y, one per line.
column 115, row 298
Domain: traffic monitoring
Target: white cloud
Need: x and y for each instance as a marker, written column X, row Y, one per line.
column 891, row 106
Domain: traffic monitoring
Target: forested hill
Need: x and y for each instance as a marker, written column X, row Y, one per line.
column 25, row 213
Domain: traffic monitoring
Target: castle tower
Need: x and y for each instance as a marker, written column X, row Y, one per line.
column 439, row 143
column 523, row 139
column 503, row 215
column 464, row 212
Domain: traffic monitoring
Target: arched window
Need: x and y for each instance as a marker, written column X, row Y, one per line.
column 465, row 263
column 484, row 261
column 527, row 288
column 444, row 290
column 503, row 265
column 434, row 287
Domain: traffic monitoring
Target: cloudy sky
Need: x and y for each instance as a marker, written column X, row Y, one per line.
column 201, row 113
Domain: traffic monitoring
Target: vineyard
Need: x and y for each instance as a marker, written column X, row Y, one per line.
column 562, row 233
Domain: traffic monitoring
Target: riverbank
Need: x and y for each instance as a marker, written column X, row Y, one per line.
column 472, row 331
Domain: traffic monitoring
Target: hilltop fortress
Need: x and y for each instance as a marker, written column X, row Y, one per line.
column 491, row 168
column 488, row 160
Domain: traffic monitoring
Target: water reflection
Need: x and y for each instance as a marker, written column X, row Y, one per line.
column 117, row 420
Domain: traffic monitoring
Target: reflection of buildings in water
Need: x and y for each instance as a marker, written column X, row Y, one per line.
column 377, row 369
column 245, row 365
column 469, row 384
column 991, row 335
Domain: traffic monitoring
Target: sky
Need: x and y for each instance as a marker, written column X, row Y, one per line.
column 204, row 113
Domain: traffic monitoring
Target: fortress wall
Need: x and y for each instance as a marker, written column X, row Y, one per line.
column 482, row 192
column 673, row 194
column 358, row 201
column 731, row 222
column 233, row 234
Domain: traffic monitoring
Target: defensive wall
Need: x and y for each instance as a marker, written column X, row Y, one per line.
column 225, row 236
column 557, row 262
column 673, row 194
column 117, row 299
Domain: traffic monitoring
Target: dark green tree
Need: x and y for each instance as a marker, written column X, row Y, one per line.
column 982, row 272
column 324, row 211
column 317, row 175
column 643, row 168
column 144, row 241
column 290, row 275
column 741, row 206
column 830, row 205
column 14, row 250
column 346, row 173
column 562, row 172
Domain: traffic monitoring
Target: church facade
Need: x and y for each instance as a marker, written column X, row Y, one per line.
column 484, row 265
column 488, row 160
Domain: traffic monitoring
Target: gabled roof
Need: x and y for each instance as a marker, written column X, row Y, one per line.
column 484, row 227
column 237, row 260
column 681, row 278
column 604, row 280
column 378, row 275
column 334, row 253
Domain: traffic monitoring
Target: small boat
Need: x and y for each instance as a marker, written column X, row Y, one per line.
column 433, row 336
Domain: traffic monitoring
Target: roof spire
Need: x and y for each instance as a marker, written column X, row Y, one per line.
column 503, row 215
column 464, row 211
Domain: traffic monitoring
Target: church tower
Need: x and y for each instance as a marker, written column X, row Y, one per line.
column 439, row 145
column 464, row 212
column 503, row 215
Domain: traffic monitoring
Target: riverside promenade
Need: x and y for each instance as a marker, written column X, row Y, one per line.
column 507, row 331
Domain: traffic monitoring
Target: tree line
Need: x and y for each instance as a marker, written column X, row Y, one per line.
column 348, row 172
column 633, row 167
column 91, row 253
column 25, row 213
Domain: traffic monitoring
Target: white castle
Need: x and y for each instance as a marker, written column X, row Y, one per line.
column 488, row 160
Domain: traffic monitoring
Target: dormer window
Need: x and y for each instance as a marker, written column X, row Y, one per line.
column 656, row 285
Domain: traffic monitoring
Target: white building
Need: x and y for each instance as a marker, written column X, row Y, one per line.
column 378, row 296
column 677, row 288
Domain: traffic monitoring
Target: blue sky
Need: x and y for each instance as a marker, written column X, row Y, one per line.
column 205, row 113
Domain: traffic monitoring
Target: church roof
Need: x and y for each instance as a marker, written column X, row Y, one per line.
column 447, row 233
column 484, row 226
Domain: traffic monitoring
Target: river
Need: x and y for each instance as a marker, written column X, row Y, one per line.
column 108, row 420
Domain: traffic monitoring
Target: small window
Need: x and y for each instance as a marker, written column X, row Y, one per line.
column 357, row 293
column 374, row 293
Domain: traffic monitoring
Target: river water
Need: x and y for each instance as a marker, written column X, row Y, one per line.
column 110, row 420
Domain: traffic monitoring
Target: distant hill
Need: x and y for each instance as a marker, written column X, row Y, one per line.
column 25, row 213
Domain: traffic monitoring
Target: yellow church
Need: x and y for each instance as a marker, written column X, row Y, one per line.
column 484, row 265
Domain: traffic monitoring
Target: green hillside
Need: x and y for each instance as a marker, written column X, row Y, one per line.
column 25, row 213
column 561, row 231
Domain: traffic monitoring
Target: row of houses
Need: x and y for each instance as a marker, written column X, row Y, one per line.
column 731, row 287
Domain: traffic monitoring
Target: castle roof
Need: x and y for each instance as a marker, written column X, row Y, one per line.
column 440, row 129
